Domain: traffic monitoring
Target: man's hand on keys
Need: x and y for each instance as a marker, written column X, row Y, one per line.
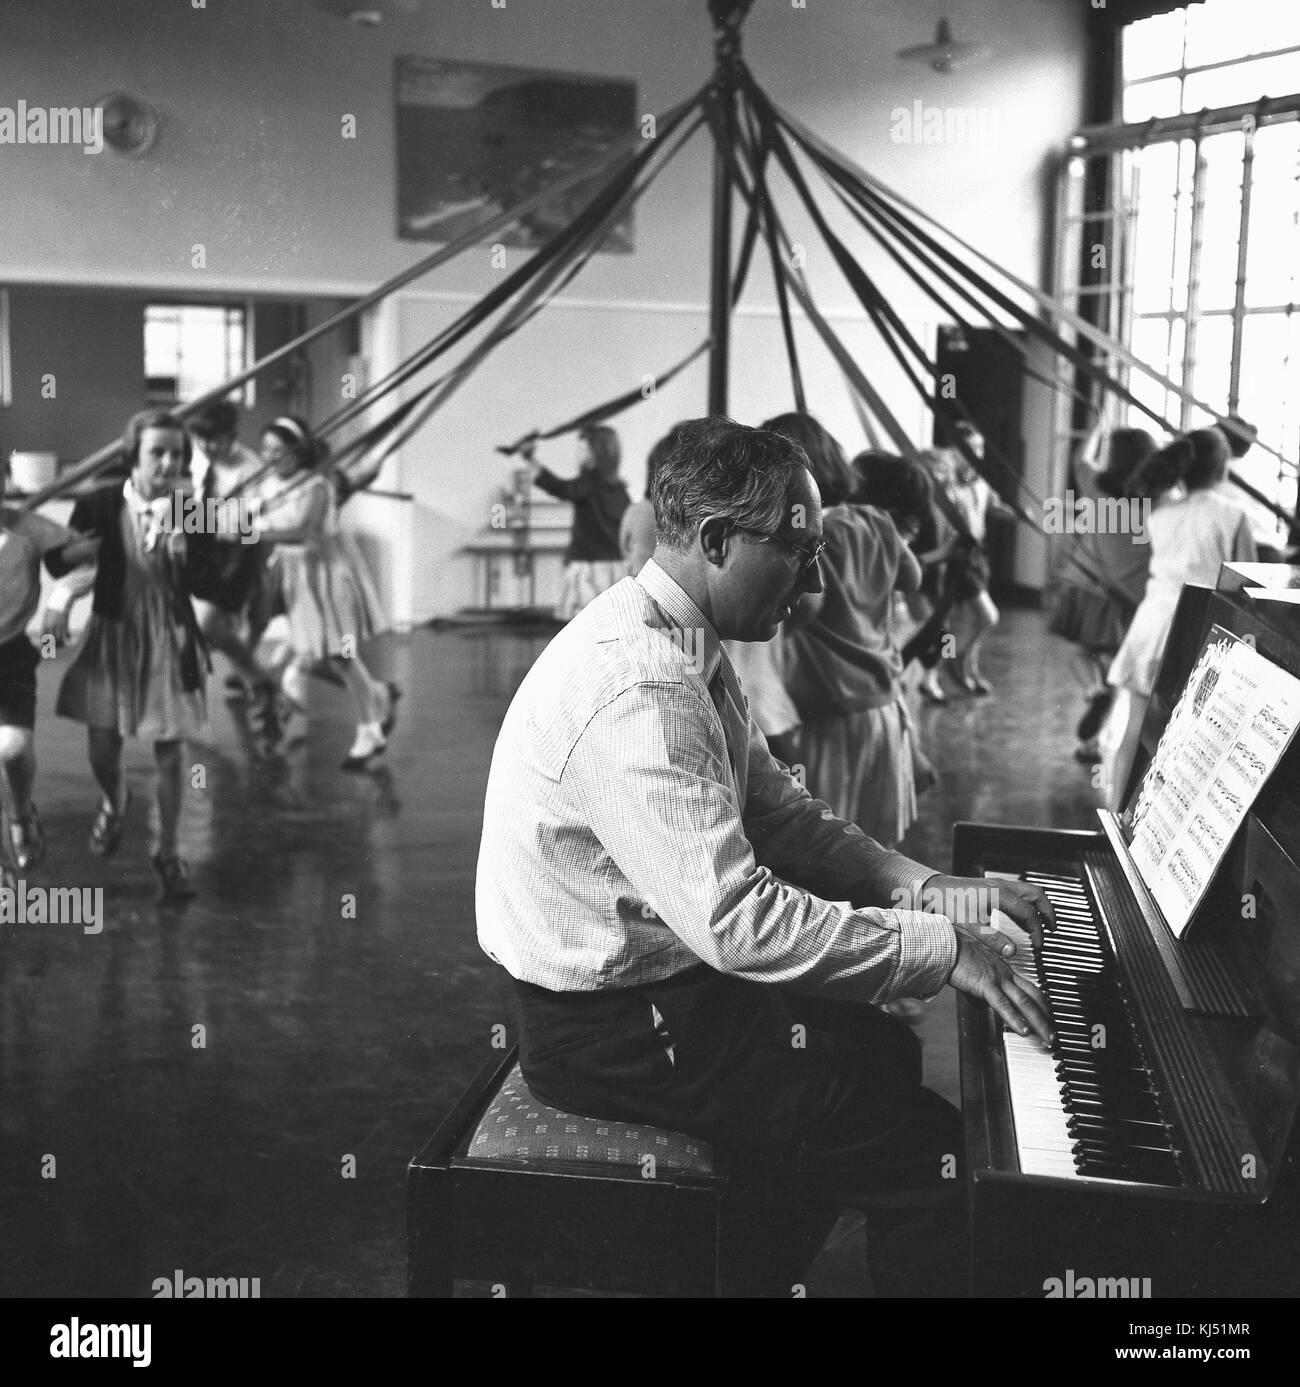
column 982, row 973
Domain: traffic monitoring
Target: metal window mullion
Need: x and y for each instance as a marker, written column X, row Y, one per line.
column 1112, row 288
column 1066, row 219
column 1170, row 313
column 1182, row 106
column 1070, row 380
column 1131, row 195
column 1189, row 381
column 1243, row 240
column 1286, row 376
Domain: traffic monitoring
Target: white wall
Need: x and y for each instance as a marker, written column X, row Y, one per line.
column 250, row 163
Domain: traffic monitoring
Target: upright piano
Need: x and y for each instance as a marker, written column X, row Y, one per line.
column 1165, row 1161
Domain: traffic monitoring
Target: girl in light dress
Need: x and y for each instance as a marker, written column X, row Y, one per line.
column 1196, row 529
column 324, row 585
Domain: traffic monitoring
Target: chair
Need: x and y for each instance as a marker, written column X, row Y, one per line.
column 518, row 1194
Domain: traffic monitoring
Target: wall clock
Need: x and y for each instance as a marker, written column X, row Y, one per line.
column 130, row 126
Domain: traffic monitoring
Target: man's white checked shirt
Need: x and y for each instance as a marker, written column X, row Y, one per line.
column 636, row 825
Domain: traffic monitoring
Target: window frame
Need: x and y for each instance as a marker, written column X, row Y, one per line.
column 239, row 311
column 1097, row 205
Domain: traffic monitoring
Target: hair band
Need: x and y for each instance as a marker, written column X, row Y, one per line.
column 290, row 426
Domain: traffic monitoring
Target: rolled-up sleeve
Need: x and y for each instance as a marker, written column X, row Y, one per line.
column 650, row 775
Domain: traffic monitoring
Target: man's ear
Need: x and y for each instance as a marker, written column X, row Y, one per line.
column 715, row 536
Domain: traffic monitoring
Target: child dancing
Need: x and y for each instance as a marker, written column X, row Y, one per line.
column 140, row 671
column 25, row 539
column 232, row 590
column 327, row 591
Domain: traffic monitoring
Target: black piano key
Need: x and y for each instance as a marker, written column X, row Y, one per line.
column 1084, row 1100
column 1134, row 1157
column 1094, row 1136
column 1121, row 1133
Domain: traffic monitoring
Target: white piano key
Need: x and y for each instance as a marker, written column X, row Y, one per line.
column 1042, row 1138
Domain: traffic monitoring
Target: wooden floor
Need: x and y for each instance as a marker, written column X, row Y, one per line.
column 333, row 1038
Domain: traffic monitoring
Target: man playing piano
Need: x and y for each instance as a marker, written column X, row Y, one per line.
column 695, row 941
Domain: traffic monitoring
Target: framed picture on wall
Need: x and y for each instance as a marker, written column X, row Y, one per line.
column 476, row 138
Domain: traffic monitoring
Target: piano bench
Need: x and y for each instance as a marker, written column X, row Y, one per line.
column 517, row 1194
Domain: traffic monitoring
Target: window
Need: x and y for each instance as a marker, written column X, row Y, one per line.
column 1180, row 227
column 1216, row 54
column 190, row 349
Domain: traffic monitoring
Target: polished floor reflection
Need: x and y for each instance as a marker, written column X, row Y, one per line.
column 233, row 1088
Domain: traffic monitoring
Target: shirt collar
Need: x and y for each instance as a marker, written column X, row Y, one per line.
column 682, row 613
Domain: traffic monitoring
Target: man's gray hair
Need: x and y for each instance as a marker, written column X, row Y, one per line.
column 719, row 467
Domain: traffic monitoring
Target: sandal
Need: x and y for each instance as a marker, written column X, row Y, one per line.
column 369, row 742
column 264, row 719
column 931, row 692
column 1098, row 706
column 973, row 684
column 175, row 878
column 106, row 831
column 27, row 838
column 290, row 720
column 390, row 719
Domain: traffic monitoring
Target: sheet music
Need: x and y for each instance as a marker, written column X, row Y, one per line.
column 1234, row 720
column 1291, row 595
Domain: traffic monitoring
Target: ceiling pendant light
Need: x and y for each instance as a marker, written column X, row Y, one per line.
column 368, row 13
column 945, row 54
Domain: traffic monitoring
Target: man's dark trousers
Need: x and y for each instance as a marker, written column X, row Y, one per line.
column 827, row 1092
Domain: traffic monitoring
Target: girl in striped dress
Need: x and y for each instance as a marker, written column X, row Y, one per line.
column 322, row 580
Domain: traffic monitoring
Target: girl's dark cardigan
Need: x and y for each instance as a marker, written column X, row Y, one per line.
column 99, row 513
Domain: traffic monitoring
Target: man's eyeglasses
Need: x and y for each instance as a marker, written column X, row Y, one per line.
column 807, row 557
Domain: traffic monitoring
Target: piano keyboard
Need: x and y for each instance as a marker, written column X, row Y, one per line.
column 1083, row 1110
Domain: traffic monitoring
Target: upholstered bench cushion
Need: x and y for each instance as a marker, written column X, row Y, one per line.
column 517, row 1129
